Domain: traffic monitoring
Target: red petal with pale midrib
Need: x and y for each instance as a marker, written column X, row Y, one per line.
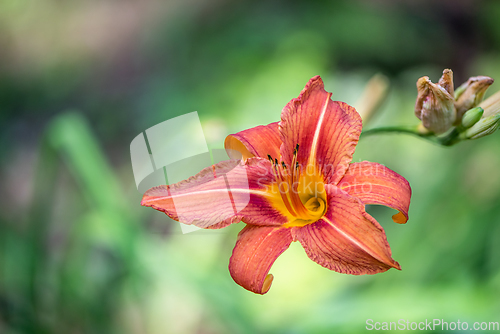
column 219, row 195
column 327, row 132
column 256, row 250
column 347, row 239
column 260, row 141
column 374, row 183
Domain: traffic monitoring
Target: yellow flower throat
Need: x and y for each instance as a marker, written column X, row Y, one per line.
column 298, row 193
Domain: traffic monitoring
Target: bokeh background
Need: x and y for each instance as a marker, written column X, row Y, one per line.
column 80, row 79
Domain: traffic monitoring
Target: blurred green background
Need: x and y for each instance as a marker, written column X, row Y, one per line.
column 80, row 79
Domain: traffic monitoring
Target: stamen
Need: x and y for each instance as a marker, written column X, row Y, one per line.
column 280, row 178
column 284, row 197
column 293, row 182
column 295, row 172
column 297, row 203
column 290, row 176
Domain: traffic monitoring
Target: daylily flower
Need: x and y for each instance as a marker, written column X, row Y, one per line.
column 293, row 181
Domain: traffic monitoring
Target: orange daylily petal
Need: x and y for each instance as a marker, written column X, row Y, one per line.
column 258, row 141
column 347, row 239
column 219, row 195
column 327, row 132
column 256, row 250
column 374, row 183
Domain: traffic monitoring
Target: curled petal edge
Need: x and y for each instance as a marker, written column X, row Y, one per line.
column 374, row 183
column 255, row 251
column 347, row 239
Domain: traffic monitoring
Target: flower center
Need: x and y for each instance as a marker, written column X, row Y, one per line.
column 300, row 190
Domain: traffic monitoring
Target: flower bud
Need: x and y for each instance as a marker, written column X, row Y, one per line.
column 491, row 105
column 435, row 103
column 470, row 94
column 484, row 127
column 471, row 117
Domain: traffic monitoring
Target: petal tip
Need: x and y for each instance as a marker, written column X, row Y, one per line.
column 314, row 79
column 144, row 201
column 267, row 283
column 312, row 84
column 396, row 265
column 399, row 218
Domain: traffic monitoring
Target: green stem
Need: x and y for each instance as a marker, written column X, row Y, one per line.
column 450, row 139
column 412, row 130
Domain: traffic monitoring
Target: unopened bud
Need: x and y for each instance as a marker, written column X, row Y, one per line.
column 491, row 105
column 471, row 93
column 484, row 127
column 471, row 117
column 435, row 103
